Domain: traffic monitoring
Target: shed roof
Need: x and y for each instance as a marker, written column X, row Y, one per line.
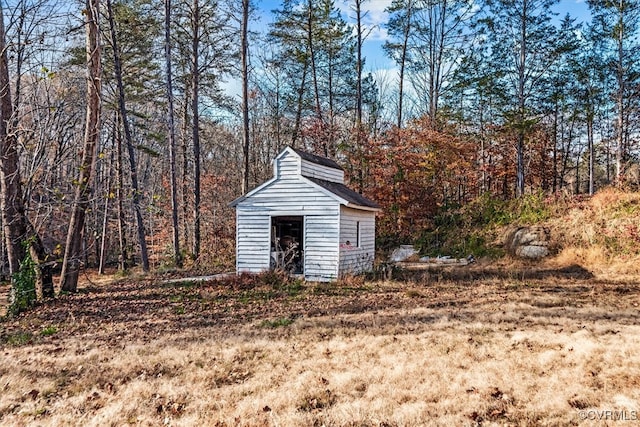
column 345, row 193
column 317, row 159
column 338, row 191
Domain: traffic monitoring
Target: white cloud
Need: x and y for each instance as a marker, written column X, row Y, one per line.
column 374, row 16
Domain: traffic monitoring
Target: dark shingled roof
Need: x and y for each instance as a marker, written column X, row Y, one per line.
column 317, row 159
column 345, row 193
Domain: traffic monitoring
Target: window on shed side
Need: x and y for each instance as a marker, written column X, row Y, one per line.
column 358, row 234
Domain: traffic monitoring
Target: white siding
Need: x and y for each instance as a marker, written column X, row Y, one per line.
column 287, row 165
column 252, row 241
column 321, row 247
column 354, row 258
column 290, row 197
column 314, row 170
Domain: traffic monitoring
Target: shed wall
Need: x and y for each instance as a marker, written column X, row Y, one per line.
column 289, row 196
column 356, row 258
column 321, row 247
column 314, row 170
column 252, row 241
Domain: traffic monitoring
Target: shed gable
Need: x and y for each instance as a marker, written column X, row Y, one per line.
column 290, row 194
column 287, row 165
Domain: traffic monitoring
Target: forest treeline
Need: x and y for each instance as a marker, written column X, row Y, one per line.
column 121, row 147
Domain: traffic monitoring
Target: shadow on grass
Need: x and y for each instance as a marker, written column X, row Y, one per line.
column 410, row 272
column 147, row 310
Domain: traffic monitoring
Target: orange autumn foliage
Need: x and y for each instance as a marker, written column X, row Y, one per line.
column 412, row 172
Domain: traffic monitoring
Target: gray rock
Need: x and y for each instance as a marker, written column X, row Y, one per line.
column 528, row 242
column 532, row 252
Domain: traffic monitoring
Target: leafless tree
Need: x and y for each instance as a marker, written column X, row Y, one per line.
column 177, row 257
column 73, row 248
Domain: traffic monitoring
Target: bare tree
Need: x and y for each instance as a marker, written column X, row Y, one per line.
column 359, row 131
column 400, row 24
column 122, row 234
column 177, row 258
column 73, row 248
column 195, row 130
column 244, row 53
column 12, row 207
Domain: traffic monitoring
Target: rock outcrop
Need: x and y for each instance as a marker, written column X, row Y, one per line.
column 528, row 242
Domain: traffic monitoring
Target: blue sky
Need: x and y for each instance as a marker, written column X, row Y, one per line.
column 376, row 17
column 376, row 62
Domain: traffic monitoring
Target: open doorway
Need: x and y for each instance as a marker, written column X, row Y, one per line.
column 287, row 239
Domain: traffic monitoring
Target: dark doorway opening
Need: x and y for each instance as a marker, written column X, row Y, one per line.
column 287, row 239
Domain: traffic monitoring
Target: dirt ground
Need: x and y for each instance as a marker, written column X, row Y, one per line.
column 471, row 346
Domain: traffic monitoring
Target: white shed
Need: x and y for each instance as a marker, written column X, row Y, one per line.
column 305, row 220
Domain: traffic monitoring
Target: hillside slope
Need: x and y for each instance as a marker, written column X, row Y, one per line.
column 600, row 233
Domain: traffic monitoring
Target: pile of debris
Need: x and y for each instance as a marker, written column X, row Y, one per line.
column 408, row 257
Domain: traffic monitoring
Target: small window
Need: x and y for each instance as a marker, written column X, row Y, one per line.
column 358, row 234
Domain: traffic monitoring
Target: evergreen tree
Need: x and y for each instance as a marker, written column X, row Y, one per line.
column 204, row 41
column 616, row 24
column 524, row 45
column 317, row 52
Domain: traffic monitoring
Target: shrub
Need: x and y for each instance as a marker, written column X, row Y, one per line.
column 18, row 338
column 463, row 230
column 23, row 286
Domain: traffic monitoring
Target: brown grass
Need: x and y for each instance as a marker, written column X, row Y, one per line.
column 487, row 347
column 601, row 233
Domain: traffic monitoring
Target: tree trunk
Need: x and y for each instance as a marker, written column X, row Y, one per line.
column 122, row 239
column 185, row 170
column 359, row 130
column 591, row 150
column 12, row 204
column 577, row 189
column 554, row 183
column 177, row 257
column 128, row 140
column 44, row 266
column 73, row 248
column 245, row 94
column 195, row 95
column 299, row 106
column 105, row 220
column 620, row 104
column 403, row 62
column 437, row 39
column 520, row 181
column 314, row 72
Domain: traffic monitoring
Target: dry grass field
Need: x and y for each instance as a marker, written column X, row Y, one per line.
column 475, row 346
